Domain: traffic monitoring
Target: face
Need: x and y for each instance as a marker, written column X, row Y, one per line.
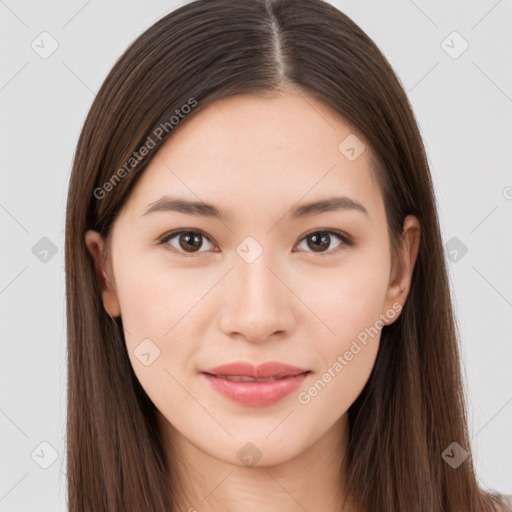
column 265, row 281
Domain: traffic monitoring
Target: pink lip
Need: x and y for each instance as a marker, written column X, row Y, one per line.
column 256, row 394
column 262, row 371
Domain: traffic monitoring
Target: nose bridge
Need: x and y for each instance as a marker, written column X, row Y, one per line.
column 255, row 280
column 256, row 303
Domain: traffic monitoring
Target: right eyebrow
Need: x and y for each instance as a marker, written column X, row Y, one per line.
column 171, row 204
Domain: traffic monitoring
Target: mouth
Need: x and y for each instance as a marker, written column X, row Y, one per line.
column 269, row 370
column 243, row 378
column 255, row 386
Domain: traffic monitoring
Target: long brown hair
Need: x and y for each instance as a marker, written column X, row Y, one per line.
column 412, row 407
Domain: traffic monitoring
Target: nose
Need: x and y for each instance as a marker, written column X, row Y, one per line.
column 256, row 304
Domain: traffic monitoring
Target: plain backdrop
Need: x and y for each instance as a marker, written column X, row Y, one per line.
column 454, row 61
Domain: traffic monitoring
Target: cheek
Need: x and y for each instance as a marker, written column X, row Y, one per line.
column 330, row 393
column 151, row 297
column 347, row 350
column 151, row 304
column 351, row 298
column 351, row 309
column 158, row 333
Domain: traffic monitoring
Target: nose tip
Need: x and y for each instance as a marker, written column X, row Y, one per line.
column 255, row 304
column 259, row 337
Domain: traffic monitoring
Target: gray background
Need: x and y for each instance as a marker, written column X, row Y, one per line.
column 463, row 106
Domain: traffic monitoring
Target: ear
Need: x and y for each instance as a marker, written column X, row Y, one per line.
column 401, row 271
column 96, row 246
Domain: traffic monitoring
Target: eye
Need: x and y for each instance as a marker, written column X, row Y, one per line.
column 188, row 241
column 321, row 239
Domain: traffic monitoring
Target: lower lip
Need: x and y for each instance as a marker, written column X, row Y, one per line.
column 256, row 394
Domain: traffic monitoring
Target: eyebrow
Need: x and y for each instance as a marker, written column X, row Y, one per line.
column 170, row 204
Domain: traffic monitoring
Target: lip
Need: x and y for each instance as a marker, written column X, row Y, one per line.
column 256, row 394
column 262, row 371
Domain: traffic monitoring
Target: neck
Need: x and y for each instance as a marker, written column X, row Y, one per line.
column 314, row 479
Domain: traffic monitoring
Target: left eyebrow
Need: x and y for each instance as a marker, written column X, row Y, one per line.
column 328, row 205
column 167, row 203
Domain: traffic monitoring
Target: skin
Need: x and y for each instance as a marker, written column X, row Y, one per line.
column 255, row 158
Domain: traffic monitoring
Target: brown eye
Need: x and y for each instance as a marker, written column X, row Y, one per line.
column 320, row 241
column 188, row 241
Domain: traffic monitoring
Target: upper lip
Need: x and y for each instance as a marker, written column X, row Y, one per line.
column 262, row 371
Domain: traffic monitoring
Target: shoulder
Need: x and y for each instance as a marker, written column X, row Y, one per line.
column 502, row 502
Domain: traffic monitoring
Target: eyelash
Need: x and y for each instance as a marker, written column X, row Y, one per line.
column 344, row 238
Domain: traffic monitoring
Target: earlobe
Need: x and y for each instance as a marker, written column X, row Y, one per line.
column 96, row 247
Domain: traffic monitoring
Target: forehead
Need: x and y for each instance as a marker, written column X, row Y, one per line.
column 253, row 155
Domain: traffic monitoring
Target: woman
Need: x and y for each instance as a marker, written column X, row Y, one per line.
column 259, row 314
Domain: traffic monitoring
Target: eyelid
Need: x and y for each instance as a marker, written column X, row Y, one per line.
column 346, row 240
